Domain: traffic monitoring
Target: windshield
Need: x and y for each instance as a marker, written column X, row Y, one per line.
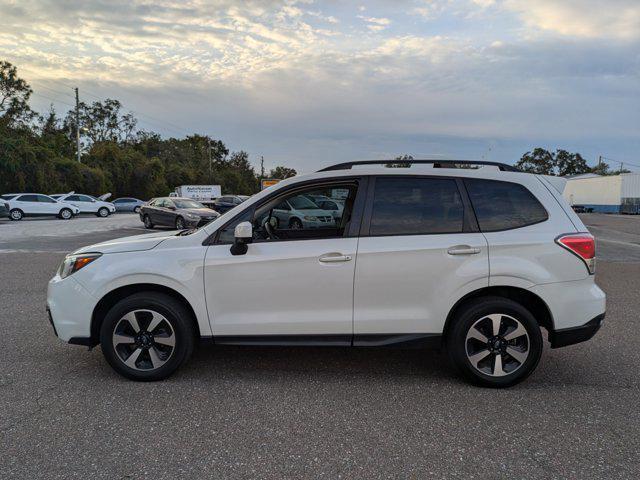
column 302, row 203
column 188, row 204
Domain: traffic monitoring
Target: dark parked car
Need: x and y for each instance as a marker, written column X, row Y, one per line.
column 176, row 212
column 128, row 204
column 4, row 209
column 227, row 202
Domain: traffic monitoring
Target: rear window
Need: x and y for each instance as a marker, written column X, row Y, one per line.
column 415, row 206
column 504, row 205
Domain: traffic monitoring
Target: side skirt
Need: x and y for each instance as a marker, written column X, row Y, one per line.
column 402, row 340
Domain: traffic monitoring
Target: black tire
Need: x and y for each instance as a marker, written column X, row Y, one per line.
column 103, row 212
column 181, row 326
column 16, row 214
column 180, row 223
column 136, row 210
column 295, row 224
column 65, row 214
column 147, row 222
column 460, row 348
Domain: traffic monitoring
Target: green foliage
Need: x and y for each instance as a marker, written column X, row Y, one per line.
column 560, row 163
column 282, row 172
column 37, row 154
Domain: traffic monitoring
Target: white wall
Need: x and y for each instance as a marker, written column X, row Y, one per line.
column 630, row 185
column 594, row 191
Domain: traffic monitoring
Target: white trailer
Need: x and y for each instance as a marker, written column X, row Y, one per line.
column 205, row 194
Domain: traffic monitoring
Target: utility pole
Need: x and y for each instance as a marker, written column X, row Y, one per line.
column 210, row 163
column 261, row 167
column 77, row 124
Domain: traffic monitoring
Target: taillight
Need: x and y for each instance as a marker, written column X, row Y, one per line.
column 583, row 246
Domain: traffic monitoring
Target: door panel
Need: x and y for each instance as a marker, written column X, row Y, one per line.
column 419, row 254
column 408, row 284
column 281, row 288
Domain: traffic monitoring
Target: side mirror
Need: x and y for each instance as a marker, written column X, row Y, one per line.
column 243, row 234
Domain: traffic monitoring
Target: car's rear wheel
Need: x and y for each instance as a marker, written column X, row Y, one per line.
column 147, row 336
column 103, row 212
column 147, row 222
column 16, row 214
column 494, row 342
column 180, row 223
column 65, row 214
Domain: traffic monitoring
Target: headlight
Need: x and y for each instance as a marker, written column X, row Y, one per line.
column 191, row 216
column 311, row 218
column 73, row 263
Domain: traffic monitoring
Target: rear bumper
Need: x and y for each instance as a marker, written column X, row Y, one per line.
column 573, row 335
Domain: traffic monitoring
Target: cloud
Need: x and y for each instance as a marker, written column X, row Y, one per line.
column 376, row 24
column 302, row 80
column 618, row 19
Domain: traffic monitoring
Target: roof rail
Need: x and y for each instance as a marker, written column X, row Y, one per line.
column 436, row 164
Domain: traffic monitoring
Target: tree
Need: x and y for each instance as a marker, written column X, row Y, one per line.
column 102, row 122
column 282, row 172
column 539, row 161
column 402, row 161
column 560, row 163
column 569, row 163
column 14, row 97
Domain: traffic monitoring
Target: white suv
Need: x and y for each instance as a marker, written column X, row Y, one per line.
column 475, row 259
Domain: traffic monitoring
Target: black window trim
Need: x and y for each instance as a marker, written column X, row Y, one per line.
column 511, row 228
column 469, row 222
column 356, row 215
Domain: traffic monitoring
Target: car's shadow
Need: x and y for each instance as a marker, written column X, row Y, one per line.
column 211, row 362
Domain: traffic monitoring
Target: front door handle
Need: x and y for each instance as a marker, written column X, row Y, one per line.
column 463, row 250
column 334, row 258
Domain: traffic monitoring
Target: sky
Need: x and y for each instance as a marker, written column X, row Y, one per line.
column 310, row 83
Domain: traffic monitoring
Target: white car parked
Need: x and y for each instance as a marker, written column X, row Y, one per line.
column 87, row 203
column 36, row 204
column 476, row 260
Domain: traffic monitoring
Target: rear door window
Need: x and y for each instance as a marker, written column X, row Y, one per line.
column 503, row 205
column 416, row 206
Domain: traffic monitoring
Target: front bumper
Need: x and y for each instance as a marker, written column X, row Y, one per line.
column 571, row 336
column 70, row 308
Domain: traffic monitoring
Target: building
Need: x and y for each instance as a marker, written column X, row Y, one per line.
column 605, row 194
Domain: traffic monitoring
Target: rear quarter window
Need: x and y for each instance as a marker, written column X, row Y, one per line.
column 504, row 205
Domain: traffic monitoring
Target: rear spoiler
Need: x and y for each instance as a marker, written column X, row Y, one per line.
column 558, row 183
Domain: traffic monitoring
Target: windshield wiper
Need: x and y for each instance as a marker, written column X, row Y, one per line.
column 187, row 231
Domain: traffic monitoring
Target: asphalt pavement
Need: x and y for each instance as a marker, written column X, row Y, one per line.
column 245, row 412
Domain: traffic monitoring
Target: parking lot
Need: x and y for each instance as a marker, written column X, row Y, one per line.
column 250, row 412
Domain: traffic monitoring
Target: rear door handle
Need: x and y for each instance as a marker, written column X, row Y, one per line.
column 334, row 258
column 463, row 250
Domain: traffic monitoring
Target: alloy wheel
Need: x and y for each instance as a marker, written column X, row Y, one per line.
column 144, row 340
column 497, row 345
column 66, row 214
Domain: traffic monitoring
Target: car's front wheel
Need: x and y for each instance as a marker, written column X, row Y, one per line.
column 103, row 212
column 16, row 214
column 180, row 223
column 65, row 214
column 147, row 336
column 494, row 342
column 147, row 222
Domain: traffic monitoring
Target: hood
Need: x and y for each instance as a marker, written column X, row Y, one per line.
column 104, row 197
column 135, row 243
column 201, row 212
